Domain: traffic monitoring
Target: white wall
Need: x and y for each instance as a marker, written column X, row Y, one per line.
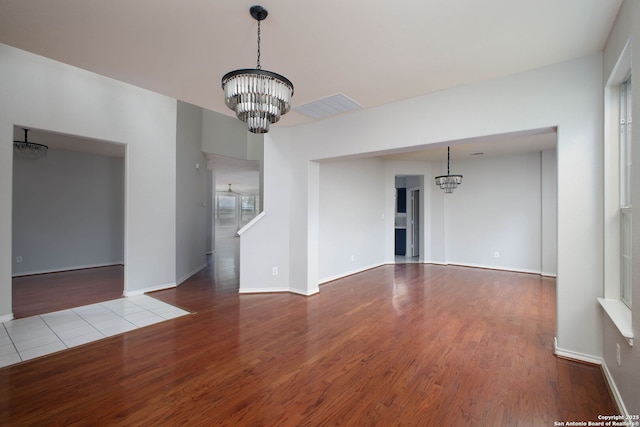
column 567, row 96
column 626, row 377
column 497, row 208
column 45, row 94
column 476, row 220
column 352, row 205
column 191, row 194
column 68, row 212
column 259, row 244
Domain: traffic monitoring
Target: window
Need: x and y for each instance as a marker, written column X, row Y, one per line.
column 248, row 209
column 626, row 223
column 226, row 211
column 234, row 210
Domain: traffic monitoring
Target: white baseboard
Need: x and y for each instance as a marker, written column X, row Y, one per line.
column 349, row 273
column 188, row 275
column 605, row 371
column 580, row 357
column 614, row 390
column 263, row 290
column 305, row 293
column 149, row 289
column 279, row 290
column 6, row 318
column 61, row 269
column 493, row 267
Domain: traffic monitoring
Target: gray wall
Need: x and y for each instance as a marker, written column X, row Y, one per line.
column 68, row 212
column 191, row 193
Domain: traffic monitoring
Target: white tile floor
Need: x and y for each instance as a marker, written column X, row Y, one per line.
column 30, row 337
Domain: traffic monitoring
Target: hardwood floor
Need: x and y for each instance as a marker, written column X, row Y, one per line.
column 409, row 344
column 46, row 293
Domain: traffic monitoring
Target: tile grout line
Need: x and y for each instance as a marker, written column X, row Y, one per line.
column 54, row 332
column 12, row 342
column 122, row 317
column 88, row 322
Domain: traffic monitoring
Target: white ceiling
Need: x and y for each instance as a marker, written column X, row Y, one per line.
column 374, row 52
column 493, row 146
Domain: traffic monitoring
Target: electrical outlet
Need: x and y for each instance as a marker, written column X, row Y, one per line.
column 353, row 258
column 618, row 354
column 275, row 271
column 18, row 259
column 496, row 254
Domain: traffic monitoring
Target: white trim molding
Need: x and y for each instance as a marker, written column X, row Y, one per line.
column 573, row 355
column 192, row 273
column 352, row 272
column 251, row 223
column 73, row 268
column 620, row 315
column 263, row 290
column 305, row 293
column 614, row 390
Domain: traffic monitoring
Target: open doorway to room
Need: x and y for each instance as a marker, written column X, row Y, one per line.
column 408, row 218
column 489, row 221
column 236, row 200
column 67, row 223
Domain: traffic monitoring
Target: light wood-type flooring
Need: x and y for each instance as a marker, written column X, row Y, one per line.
column 405, row 344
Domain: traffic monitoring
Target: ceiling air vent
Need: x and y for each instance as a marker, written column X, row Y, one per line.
column 326, row 107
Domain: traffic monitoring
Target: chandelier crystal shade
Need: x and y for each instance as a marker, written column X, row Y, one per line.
column 26, row 149
column 258, row 97
column 448, row 182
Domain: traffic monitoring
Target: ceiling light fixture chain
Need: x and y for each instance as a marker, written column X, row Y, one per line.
column 258, row 97
column 258, row 67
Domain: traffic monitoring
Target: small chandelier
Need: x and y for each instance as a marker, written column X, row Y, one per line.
column 448, row 182
column 28, row 149
column 258, row 97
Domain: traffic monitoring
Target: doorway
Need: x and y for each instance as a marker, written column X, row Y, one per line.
column 67, row 223
column 409, row 219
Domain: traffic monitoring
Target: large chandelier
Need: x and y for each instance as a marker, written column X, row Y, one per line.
column 259, row 97
column 26, row 149
column 448, row 182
